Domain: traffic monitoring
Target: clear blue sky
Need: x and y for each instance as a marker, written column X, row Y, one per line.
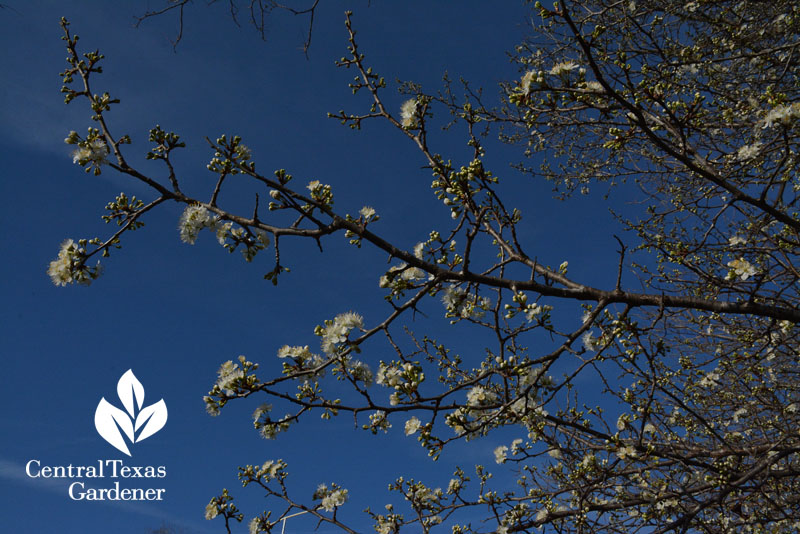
column 173, row 312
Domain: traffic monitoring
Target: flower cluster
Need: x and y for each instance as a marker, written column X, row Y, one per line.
column 399, row 277
column 782, row 115
column 332, row 497
column 388, row 524
column 422, row 496
column 404, row 378
column 270, row 470
column 95, row 151
column 563, row 67
column 368, row 213
column 533, row 311
column 264, row 424
column 590, row 342
column 412, row 425
column 299, row 359
column 528, row 78
column 91, row 152
column 227, row 375
column 534, row 375
column 748, row 151
column 231, row 380
column 378, row 421
column 741, row 268
column 465, row 305
column 231, row 157
column 360, row 371
column 269, row 429
column 627, row 451
column 223, row 505
column 196, row 217
column 480, row 396
column 408, row 113
column 320, row 192
column 69, row 268
column 594, row 87
column 258, row 524
column 336, row 331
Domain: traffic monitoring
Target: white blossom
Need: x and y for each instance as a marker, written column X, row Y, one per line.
column 459, row 303
column 212, row 408
column 741, row 268
column 710, row 380
column 228, row 373
column 389, row 376
column 589, row 342
column 222, row 230
column 350, row 320
column 412, row 273
column 297, row 352
column 261, row 410
column 412, row 425
column 270, row 469
column 500, row 454
column 333, row 499
column 748, row 151
column 194, row 219
column 367, row 212
column 626, row 452
column 527, row 79
column 378, row 420
column 408, row 113
column 782, row 115
column 361, row 371
column 336, row 331
column 211, row 510
column 454, row 485
column 622, row 422
column 96, row 151
column 595, row 87
column 480, row 396
column 60, row 270
column 588, row 460
column 563, row 68
column 533, row 310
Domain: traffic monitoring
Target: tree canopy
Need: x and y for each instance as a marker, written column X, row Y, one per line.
column 690, row 108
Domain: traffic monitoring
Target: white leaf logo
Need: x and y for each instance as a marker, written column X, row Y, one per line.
column 112, row 423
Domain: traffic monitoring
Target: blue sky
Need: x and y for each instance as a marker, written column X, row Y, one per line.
column 172, row 312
